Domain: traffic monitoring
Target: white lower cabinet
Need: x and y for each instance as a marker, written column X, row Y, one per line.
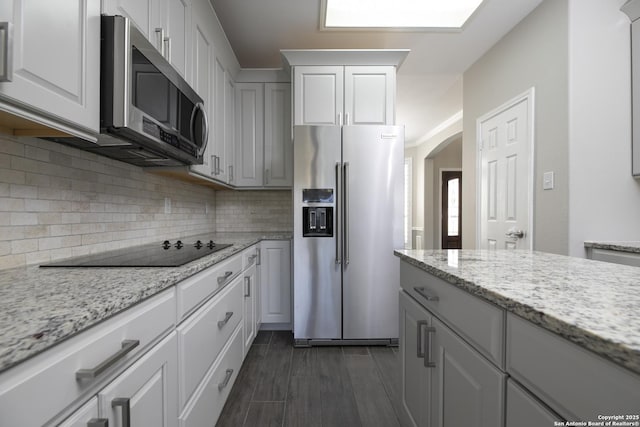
column 203, row 335
column 275, row 281
column 445, row 382
column 206, row 405
column 146, row 394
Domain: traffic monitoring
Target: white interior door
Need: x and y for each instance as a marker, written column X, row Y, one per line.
column 505, row 176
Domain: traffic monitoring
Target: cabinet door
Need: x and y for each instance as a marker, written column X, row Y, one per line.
column 147, row 390
column 415, row 376
column 56, row 60
column 177, row 31
column 249, row 313
column 523, row 410
column 229, row 127
column 278, row 143
column 218, row 141
column 318, row 95
column 86, row 416
column 203, row 80
column 275, row 278
column 466, row 389
column 369, row 95
column 249, row 134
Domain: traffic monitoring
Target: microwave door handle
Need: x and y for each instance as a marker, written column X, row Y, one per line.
column 205, row 125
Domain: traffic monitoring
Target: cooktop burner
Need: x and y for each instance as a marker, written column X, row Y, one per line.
column 165, row 254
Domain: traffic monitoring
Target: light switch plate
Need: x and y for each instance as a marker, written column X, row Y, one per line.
column 547, row 181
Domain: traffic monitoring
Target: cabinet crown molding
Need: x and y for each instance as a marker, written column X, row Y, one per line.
column 393, row 57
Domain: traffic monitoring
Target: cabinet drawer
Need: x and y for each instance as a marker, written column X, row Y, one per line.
column 50, row 378
column 478, row 322
column 206, row 406
column 523, row 410
column 574, row 382
column 195, row 290
column 202, row 336
column 249, row 257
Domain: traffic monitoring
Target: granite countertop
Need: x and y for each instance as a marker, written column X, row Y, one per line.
column 590, row 303
column 42, row 307
column 633, row 247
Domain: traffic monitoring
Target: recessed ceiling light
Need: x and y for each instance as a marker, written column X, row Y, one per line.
column 398, row 13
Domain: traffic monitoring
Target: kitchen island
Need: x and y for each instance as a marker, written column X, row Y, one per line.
column 533, row 335
column 41, row 307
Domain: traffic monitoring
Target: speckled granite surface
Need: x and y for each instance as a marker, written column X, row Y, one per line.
column 593, row 304
column 633, row 247
column 41, row 307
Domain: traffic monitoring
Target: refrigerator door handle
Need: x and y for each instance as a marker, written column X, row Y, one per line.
column 337, row 234
column 345, row 208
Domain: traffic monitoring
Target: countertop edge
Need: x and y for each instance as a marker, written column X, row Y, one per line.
column 610, row 350
column 630, row 247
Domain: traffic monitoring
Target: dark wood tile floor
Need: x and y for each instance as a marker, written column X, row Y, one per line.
column 283, row 386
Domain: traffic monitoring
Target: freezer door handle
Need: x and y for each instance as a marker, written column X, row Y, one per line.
column 337, row 235
column 345, row 207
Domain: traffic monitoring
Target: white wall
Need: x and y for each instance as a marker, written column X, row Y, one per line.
column 604, row 198
column 533, row 54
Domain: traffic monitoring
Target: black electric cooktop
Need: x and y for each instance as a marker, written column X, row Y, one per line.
column 165, row 254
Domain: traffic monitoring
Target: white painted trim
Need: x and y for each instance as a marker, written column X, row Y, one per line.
column 457, row 117
column 529, row 96
column 344, row 57
column 439, row 232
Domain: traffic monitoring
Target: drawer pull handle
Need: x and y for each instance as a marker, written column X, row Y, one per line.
column 427, row 351
column 123, row 402
column 227, row 377
column 420, row 344
column 224, row 278
column 6, row 46
column 247, row 286
column 89, row 374
column 98, row 422
column 252, row 258
column 227, row 316
column 425, row 295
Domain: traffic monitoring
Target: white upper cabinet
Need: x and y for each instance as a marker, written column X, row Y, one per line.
column 165, row 23
column 249, row 134
column 54, row 58
column 318, row 95
column 351, row 95
column 229, row 127
column 218, row 147
column 203, row 80
column 278, row 142
column 369, row 95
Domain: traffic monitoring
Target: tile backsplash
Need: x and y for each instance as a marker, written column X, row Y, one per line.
column 254, row 211
column 57, row 202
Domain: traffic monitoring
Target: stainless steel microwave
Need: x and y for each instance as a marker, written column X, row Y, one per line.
column 149, row 115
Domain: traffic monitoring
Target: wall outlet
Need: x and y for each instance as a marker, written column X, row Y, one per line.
column 167, row 205
column 547, row 181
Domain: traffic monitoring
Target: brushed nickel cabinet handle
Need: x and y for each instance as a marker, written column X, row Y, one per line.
column 420, row 344
column 426, row 296
column 89, row 374
column 247, row 286
column 427, row 350
column 167, row 48
column 227, row 316
column 225, row 382
column 230, row 173
column 125, row 405
column 160, row 40
column 259, row 257
column 224, row 278
column 98, row 422
column 6, row 58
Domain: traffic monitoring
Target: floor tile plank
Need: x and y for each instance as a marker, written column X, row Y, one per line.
column 263, row 337
column 373, row 404
column 388, row 363
column 356, row 349
column 304, row 362
column 304, row 403
column 265, row 414
column 274, row 373
column 336, row 393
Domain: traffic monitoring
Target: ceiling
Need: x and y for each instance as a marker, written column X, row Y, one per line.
column 258, row 29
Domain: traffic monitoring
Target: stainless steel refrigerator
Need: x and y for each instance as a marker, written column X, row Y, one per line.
column 347, row 202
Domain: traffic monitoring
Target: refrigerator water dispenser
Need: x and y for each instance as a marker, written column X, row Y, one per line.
column 317, row 221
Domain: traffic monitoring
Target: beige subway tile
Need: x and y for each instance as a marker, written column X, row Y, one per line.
column 8, row 204
column 49, row 218
column 70, row 218
column 11, row 176
column 61, row 206
column 24, row 246
column 9, row 233
column 35, row 205
column 40, row 257
column 10, row 261
column 36, row 153
column 35, row 231
column 11, row 147
column 24, row 218
column 60, row 230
